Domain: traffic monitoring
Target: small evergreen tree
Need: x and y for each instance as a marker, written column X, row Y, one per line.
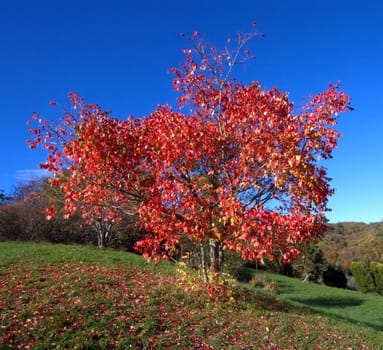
column 312, row 264
column 376, row 269
column 362, row 275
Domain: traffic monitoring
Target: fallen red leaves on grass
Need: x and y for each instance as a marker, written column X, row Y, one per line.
column 76, row 306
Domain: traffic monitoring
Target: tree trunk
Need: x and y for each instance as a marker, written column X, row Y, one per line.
column 204, row 268
column 211, row 259
column 215, row 256
column 103, row 229
column 100, row 240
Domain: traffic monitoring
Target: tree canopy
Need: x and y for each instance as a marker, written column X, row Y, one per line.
column 233, row 167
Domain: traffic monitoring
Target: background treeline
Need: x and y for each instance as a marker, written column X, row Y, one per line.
column 22, row 218
column 353, row 241
column 350, row 255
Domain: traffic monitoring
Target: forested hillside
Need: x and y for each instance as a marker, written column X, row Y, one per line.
column 350, row 241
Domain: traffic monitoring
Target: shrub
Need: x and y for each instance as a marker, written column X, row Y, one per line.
column 262, row 282
column 272, row 286
column 311, row 265
column 363, row 277
column 257, row 281
column 376, row 270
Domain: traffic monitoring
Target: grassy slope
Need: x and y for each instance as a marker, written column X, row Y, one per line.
column 354, row 307
column 57, row 296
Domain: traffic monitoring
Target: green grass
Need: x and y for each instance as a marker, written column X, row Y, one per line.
column 347, row 305
column 77, row 297
column 16, row 252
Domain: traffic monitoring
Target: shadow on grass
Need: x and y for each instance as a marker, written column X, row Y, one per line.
column 325, row 306
column 333, row 302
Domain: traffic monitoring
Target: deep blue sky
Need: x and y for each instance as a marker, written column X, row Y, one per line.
column 117, row 54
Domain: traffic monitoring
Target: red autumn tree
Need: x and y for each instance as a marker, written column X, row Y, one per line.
column 237, row 171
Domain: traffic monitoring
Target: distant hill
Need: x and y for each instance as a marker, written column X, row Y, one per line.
column 345, row 242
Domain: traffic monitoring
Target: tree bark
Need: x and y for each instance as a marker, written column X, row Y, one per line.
column 103, row 229
column 216, row 256
column 204, row 269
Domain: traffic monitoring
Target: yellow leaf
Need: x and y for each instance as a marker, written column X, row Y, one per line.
column 298, row 158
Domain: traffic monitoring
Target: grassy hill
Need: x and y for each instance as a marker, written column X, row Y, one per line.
column 77, row 297
column 350, row 241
